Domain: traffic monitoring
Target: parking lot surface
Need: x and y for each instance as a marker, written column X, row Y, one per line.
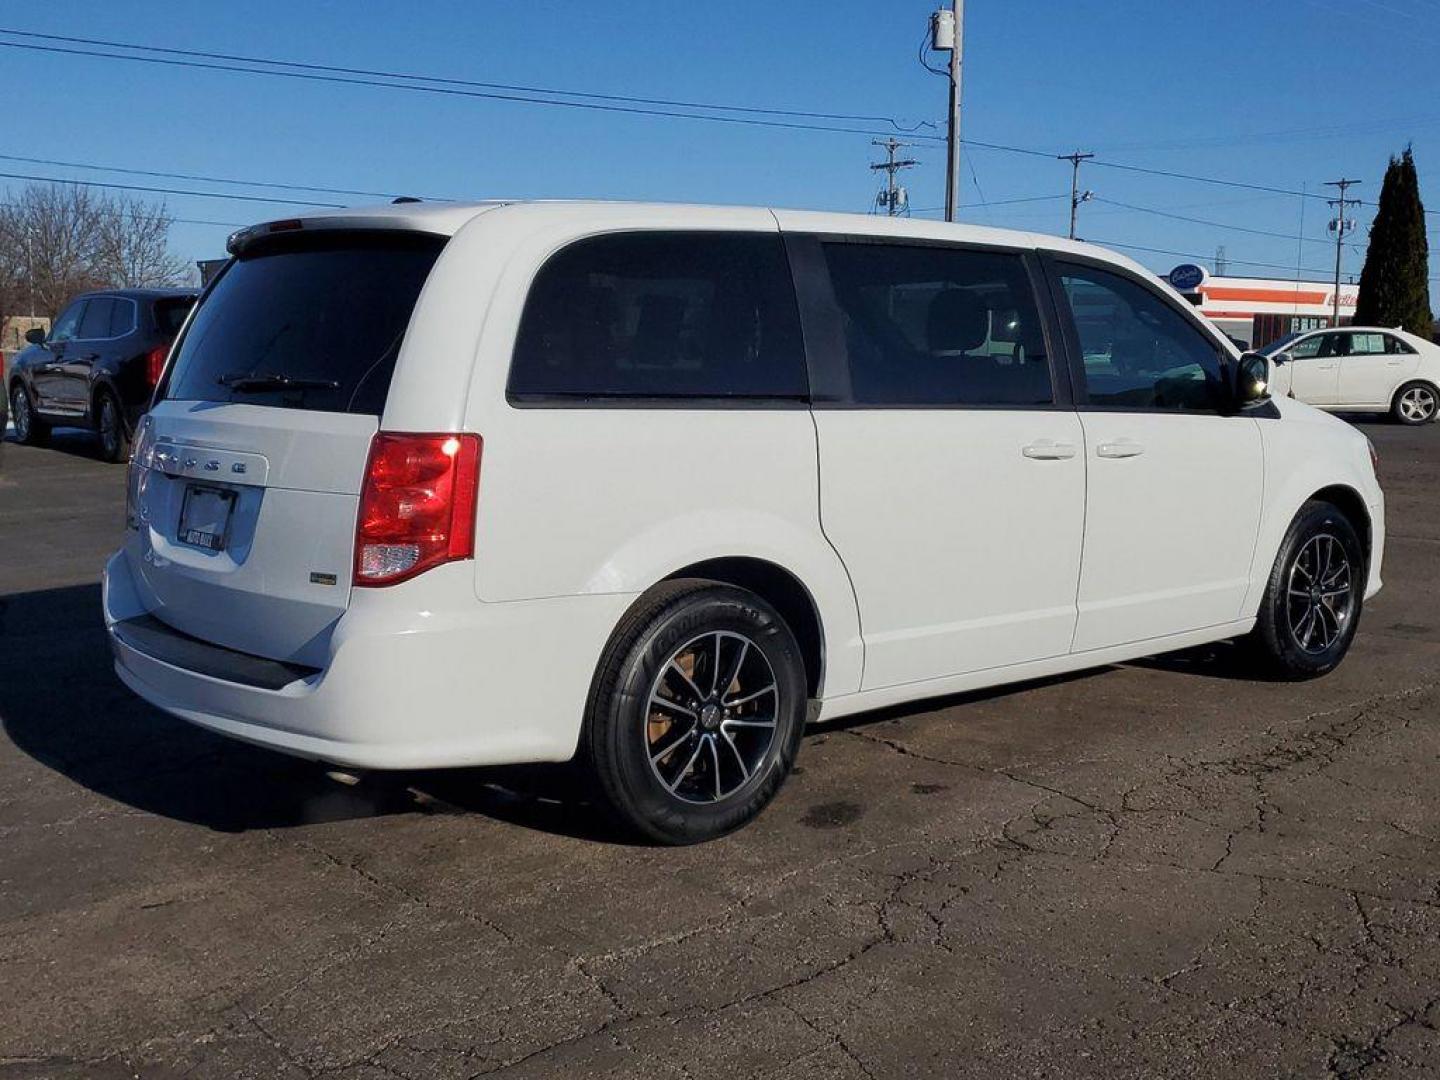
column 1162, row 869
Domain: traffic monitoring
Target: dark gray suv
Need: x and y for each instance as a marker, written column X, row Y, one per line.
column 98, row 365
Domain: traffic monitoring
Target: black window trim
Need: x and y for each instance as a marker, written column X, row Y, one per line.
column 825, row 350
column 551, row 399
column 1054, row 263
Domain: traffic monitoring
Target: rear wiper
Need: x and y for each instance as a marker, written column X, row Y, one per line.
column 246, row 383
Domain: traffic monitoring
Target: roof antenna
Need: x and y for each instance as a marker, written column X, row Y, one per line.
column 405, row 199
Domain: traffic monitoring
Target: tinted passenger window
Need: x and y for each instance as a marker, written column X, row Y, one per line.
column 938, row 326
column 1308, row 348
column 305, row 323
column 667, row 315
column 1396, row 346
column 96, row 321
column 1139, row 351
column 122, row 317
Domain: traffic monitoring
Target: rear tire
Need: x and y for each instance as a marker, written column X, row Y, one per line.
column 1313, row 600
column 110, row 429
column 696, row 711
column 29, row 428
column 1415, row 403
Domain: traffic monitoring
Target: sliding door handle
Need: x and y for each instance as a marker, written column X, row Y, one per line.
column 1120, row 448
column 1049, row 450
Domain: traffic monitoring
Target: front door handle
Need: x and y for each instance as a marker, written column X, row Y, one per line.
column 1049, row 450
column 1120, row 448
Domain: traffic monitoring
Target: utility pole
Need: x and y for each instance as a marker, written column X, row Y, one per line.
column 1340, row 226
column 893, row 198
column 1076, row 195
column 947, row 33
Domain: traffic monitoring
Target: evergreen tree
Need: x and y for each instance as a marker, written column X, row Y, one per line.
column 1395, row 284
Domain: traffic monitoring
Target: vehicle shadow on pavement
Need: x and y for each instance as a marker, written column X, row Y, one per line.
column 73, row 442
column 63, row 706
column 1219, row 660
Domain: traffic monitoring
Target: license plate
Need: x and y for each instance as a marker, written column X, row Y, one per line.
column 205, row 517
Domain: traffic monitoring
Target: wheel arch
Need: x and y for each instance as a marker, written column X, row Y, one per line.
column 781, row 589
column 102, row 384
column 1352, row 504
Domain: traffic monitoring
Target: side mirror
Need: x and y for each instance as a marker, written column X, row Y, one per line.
column 1252, row 379
column 1281, row 358
column 35, row 336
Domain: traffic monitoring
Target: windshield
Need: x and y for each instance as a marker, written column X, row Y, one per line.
column 307, row 322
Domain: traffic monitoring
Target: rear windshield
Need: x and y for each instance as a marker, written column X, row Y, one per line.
column 306, row 322
column 170, row 314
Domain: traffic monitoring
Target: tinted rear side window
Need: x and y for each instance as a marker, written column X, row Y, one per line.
column 939, row 326
column 662, row 315
column 306, row 323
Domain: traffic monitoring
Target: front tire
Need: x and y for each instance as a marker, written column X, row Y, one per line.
column 29, row 428
column 1415, row 403
column 1312, row 603
column 696, row 711
column 110, row 428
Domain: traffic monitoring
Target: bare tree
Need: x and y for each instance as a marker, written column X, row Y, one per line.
column 57, row 240
column 134, row 248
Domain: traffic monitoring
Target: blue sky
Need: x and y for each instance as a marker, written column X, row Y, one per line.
column 1285, row 93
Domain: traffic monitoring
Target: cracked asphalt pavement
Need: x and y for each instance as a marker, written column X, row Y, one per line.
column 1161, row 869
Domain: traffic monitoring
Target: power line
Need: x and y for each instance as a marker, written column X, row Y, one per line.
column 662, row 107
column 167, row 191
column 134, row 215
column 451, row 91
column 509, row 87
column 995, row 202
column 1203, row 258
column 514, row 97
column 203, row 179
column 1207, row 222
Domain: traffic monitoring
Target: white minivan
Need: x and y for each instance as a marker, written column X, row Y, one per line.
column 651, row 485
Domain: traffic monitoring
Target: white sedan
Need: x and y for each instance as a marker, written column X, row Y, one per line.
column 1362, row 368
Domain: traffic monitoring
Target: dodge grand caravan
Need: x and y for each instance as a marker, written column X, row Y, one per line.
column 449, row 485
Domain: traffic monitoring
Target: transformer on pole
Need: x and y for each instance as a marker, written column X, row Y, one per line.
column 947, row 34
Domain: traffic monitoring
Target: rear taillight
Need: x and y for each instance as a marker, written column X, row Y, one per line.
column 417, row 505
column 155, row 364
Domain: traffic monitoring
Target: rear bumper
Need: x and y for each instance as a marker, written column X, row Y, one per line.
column 406, row 686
